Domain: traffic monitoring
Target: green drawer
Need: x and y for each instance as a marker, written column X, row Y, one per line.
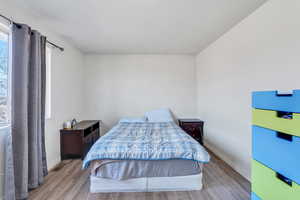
column 271, row 120
column 268, row 185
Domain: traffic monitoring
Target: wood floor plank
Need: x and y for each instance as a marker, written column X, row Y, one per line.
column 83, row 192
column 220, row 181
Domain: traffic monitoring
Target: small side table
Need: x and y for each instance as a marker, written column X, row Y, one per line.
column 193, row 127
column 76, row 142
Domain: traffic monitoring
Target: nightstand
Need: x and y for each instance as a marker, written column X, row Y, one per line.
column 193, row 127
column 76, row 142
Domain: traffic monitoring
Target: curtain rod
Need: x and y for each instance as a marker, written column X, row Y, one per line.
column 51, row 43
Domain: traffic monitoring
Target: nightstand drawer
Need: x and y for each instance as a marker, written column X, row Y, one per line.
column 191, row 129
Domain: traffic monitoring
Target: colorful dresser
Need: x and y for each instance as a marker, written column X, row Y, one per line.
column 276, row 145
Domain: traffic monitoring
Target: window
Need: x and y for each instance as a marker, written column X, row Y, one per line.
column 4, row 76
column 5, row 90
column 48, row 82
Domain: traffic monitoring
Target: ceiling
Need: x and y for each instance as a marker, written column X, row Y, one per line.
column 141, row 26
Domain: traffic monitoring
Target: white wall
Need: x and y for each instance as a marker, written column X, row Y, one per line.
column 261, row 53
column 128, row 85
column 66, row 86
column 66, row 97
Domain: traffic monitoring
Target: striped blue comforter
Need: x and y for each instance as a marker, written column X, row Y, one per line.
column 146, row 141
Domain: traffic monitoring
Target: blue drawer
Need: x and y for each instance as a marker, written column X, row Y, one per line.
column 277, row 151
column 279, row 101
column 254, row 196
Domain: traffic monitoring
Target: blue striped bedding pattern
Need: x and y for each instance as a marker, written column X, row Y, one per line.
column 146, row 141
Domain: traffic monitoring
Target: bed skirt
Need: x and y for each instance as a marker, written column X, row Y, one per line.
column 153, row 184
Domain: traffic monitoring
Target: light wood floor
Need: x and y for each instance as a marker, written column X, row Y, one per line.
column 68, row 181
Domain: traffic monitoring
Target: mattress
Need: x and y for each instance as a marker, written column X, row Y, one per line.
column 129, row 169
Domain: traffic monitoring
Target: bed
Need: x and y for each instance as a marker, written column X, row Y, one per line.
column 146, row 157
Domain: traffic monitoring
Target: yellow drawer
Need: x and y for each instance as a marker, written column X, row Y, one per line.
column 270, row 185
column 277, row 121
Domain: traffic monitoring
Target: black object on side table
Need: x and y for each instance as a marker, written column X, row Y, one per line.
column 193, row 127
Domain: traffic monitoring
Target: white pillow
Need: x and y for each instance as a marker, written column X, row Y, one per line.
column 133, row 119
column 160, row 115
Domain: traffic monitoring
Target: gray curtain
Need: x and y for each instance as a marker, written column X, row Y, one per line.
column 28, row 109
column 9, row 186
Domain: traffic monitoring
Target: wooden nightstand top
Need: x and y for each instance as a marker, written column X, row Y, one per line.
column 86, row 124
column 82, row 125
column 190, row 120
